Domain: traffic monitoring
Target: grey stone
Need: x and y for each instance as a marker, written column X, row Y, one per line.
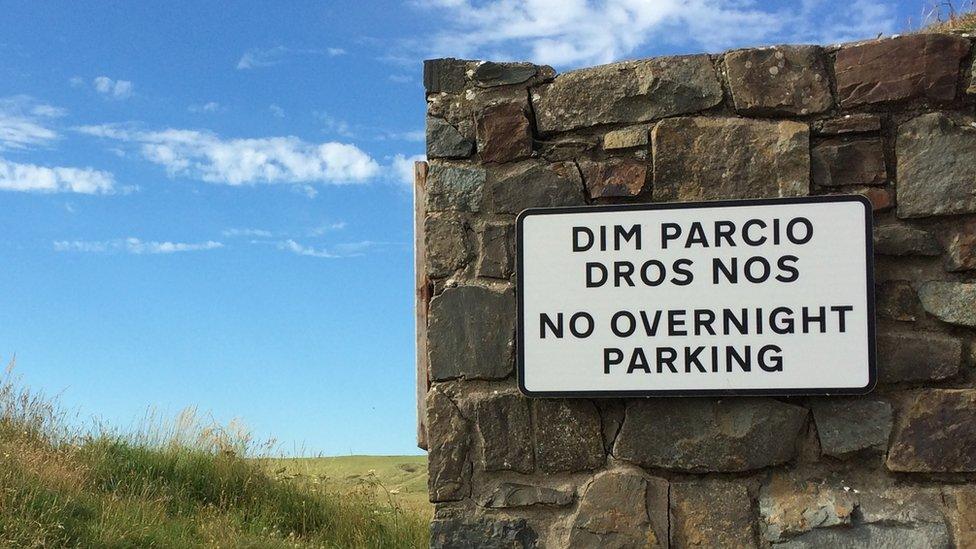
column 906, row 504
column 467, row 532
column 504, row 134
column 898, row 239
column 627, row 92
column 446, row 244
column 936, row 432
column 512, row 494
column 454, row 188
column 711, row 513
column 936, row 174
column 873, row 536
column 621, row 509
column 906, row 67
column 917, row 356
column 724, row 158
column 613, row 178
column 849, row 123
column 496, row 249
column 972, row 79
column 505, row 429
column 445, row 75
column 779, row 80
column 702, row 435
column 897, row 300
column 849, row 425
column 626, row 138
column 445, row 141
column 567, row 435
column 847, row 163
column 449, row 445
column 533, row 184
column 791, row 503
column 961, row 247
column 952, row 302
column 470, row 333
column 489, row 74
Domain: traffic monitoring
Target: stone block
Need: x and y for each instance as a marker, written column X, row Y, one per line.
column 470, row 333
column 448, row 451
column 445, row 141
column 627, row 92
column 447, row 246
column 505, row 429
column 695, row 434
column 872, row 535
column 848, row 425
column 961, row 247
column 847, row 163
column 496, row 249
column 785, row 80
column 533, row 184
column 935, row 174
column 914, row 66
column 711, row 513
column 917, row 356
column 897, row 300
column 613, row 178
column 504, row 133
column 454, row 188
column 898, row 239
column 936, row 432
column 468, row 532
column 619, row 509
column 881, row 198
column 626, row 138
column 849, row 124
column 725, row 158
column 567, row 435
column 952, row 302
column 961, row 501
column 488, row 74
column 507, row 495
column 445, row 75
column 791, row 504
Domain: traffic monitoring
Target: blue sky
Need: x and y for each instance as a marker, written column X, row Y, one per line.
column 208, row 204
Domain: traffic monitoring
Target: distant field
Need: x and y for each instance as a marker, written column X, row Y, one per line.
column 401, row 478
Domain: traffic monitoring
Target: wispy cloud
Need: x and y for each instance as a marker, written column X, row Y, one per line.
column 208, row 107
column 336, row 251
column 301, row 249
column 267, row 57
column 23, row 177
column 115, row 89
column 206, row 156
column 251, row 233
column 276, row 111
column 133, row 245
column 23, row 122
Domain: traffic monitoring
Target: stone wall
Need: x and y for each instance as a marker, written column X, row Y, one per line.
column 891, row 119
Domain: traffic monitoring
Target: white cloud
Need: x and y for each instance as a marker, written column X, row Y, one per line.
column 300, row 249
column 15, row 176
column 334, row 125
column 208, row 157
column 23, row 122
column 210, row 106
column 116, row 89
column 267, row 57
column 133, row 245
column 276, row 111
column 403, row 167
column 260, row 233
column 580, row 32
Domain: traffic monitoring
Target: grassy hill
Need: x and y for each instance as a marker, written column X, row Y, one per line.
column 185, row 486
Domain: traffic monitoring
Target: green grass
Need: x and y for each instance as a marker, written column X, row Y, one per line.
column 184, row 486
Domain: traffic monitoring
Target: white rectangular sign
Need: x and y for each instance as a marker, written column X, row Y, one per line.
column 738, row 297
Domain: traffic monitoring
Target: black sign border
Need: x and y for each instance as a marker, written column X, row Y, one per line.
column 824, row 391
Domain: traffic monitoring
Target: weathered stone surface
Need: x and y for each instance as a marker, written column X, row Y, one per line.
column 952, row 302
column 962, row 510
column 791, row 504
column 917, row 356
column 458, row 533
column 897, row 300
column 567, row 435
column 779, row 80
column 709, row 435
column 627, row 92
column 848, row 425
column 445, row 141
column 972, row 78
column 936, row 432
column 622, row 509
column 445, row 75
column 711, row 513
column 512, row 494
column 872, row 535
column 897, row 239
column 627, row 138
column 454, row 188
column 470, row 333
column 850, row 123
column 613, row 178
column 533, row 184
column 504, row 134
column 496, row 249
column 961, row 248
column 505, row 429
column 488, row 74
column 838, row 163
column 904, row 505
column 449, row 446
column 935, row 174
column 712, row 158
column 907, row 67
column 881, row 198
column 446, row 244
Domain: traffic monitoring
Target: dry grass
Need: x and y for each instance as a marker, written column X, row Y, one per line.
column 950, row 17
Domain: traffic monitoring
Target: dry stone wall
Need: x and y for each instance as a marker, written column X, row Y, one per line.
column 891, row 119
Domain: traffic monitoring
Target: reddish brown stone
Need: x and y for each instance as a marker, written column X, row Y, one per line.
column 839, row 163
column 906, row 67
column 961, row 248
column 897, row 300
column 881, row 198
column 936, row 433
column 504, row 133
column 613, row 178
